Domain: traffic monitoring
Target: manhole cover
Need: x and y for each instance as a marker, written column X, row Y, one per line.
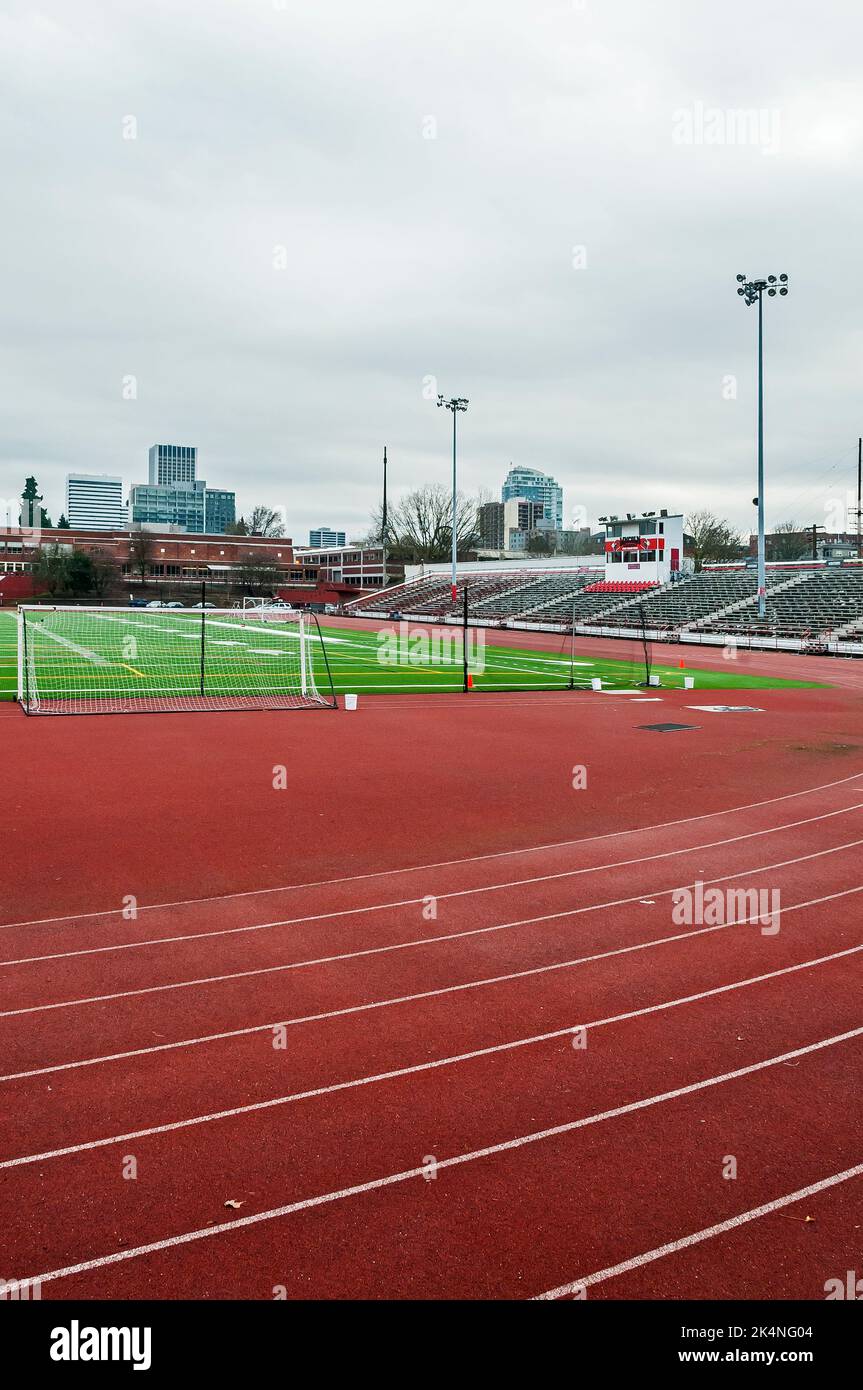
column 667, row 728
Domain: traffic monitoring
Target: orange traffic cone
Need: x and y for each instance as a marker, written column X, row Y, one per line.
column 470, row 682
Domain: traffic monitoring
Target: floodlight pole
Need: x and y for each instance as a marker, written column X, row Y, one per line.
column 753, row 290
column 455, row 404
column 762, row 543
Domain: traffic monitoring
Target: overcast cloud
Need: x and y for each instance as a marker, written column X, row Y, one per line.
column 540, row 206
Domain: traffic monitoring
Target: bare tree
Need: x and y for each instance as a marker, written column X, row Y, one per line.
column 257, row 577
column 788, row 541
column 419, row 527
column 141, row 553
column 265, row 521
column 51, row 569
column 712, row 539
column 103, row 571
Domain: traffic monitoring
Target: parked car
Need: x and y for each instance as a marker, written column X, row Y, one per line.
column 154, row 603
column 173, row 605
column 199, row 605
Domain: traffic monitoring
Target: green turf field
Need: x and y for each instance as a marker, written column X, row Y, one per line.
column 93, row 657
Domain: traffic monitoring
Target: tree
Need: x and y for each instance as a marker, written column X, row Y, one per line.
column 51, row 570
column 62, row 524
column 712, row 540
column 141, row 553
column 102, row 572
column 574, row 543
column 540, row 543
column 79, row 574
column 237, row 528
column 265, row 521
column 419, row 527
column 788, row 541
column 257, row 577
column 31, row 507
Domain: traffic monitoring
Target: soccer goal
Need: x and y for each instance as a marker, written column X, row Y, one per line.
column 77, row 660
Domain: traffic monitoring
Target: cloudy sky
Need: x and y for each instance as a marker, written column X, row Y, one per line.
column 275, row 229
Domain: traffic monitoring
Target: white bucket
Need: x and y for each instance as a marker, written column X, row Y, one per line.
column 688, row 682
column 654, row 680
column 350, row 702
column 595, row 683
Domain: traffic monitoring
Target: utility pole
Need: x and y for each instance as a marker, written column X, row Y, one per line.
column 384, row 525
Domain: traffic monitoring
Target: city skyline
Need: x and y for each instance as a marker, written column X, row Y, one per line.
column 202, row 281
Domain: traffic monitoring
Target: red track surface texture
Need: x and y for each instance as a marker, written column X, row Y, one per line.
column 329, row 1047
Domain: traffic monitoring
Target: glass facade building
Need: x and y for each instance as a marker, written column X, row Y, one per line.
column 533, row 486
column 168, row 504
column 219, row 510
column 324, row 536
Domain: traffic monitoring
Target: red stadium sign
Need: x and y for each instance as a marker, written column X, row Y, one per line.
column 630, row 543
column 636, row 543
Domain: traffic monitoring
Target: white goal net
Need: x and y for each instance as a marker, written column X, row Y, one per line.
column 77, row 660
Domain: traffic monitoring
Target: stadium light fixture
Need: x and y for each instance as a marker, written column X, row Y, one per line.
column 455, row 404
column 752, row 291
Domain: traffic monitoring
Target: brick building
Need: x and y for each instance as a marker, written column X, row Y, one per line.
column 172, row 559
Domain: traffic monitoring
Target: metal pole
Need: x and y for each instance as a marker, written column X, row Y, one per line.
column 815, row 542
column 762, row 569
column 464, row 632
column 384, row 526
column 572, row 653
column 454, row 509
column 859, row 470
column 203, row 630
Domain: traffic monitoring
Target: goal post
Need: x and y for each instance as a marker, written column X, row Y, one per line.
column 88, row 660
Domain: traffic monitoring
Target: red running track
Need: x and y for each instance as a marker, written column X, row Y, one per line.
column 427, row 1015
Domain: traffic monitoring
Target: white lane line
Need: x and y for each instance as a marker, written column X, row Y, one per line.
column 411, row 998
column 457, row 893
column 673, row 1246
column 391, row 1179
column 441, row 863
column 404, row 945
column 413, row 1070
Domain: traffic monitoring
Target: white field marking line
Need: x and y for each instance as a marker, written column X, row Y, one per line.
column 391, row 1179
column 94, row 657
column 441, row 863
column 413, row 1070
column 412, row 998
column 684, row 1242
column 457, row 893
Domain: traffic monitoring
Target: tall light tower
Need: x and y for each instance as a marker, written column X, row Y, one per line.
column 752, row 292
column 455, row 404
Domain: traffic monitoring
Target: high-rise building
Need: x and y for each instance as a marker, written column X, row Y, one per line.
column 94, row 502
column 533, row 486
column 523, row 519
column 220, row 510
column 324, row 536
column 490, row 525
column 169, row 504
column 188, row 506
column 173, row 463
